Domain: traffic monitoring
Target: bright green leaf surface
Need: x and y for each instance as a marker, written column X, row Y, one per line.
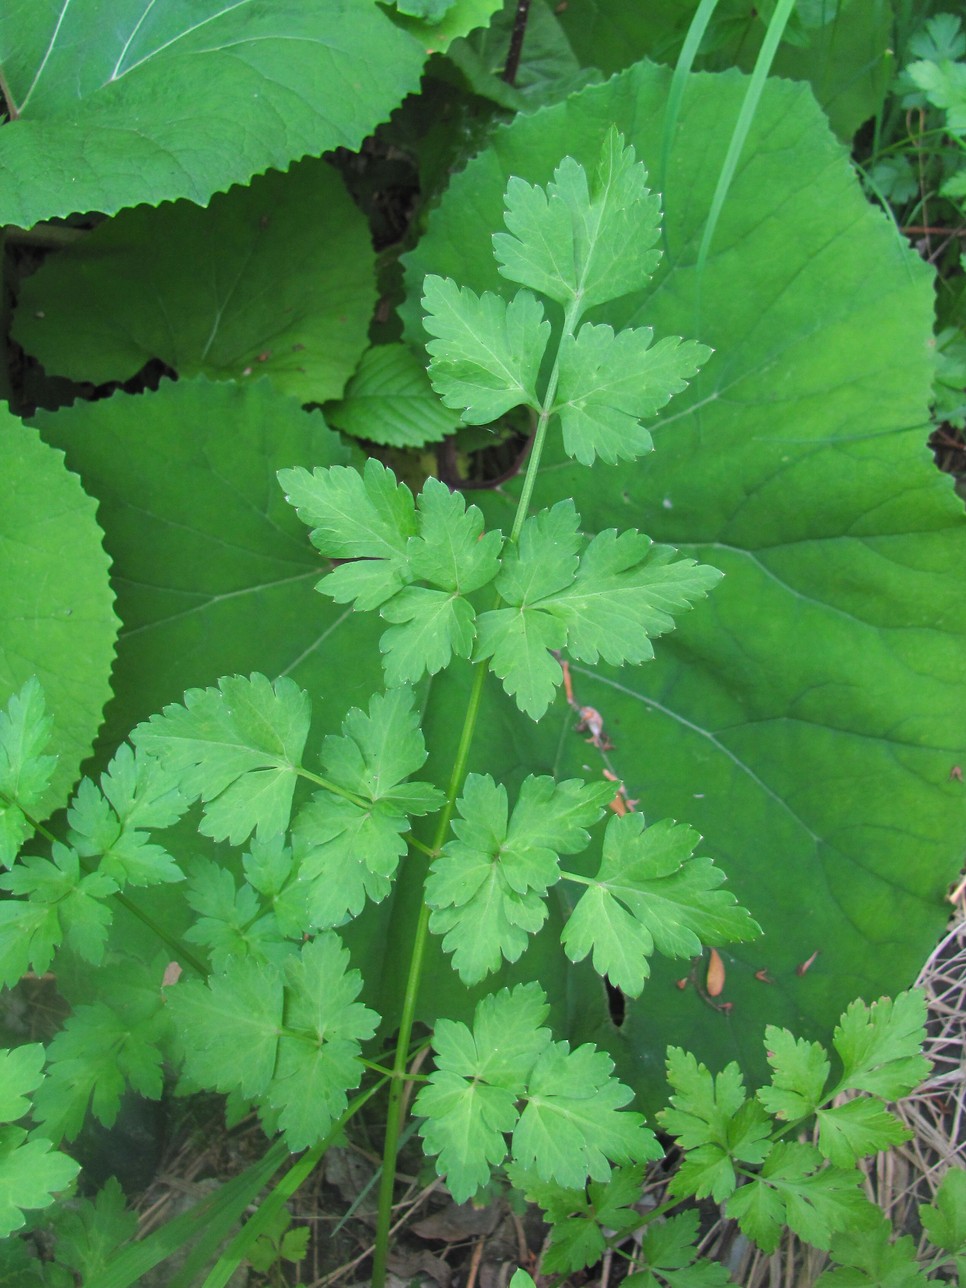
column 372, row 520
column 389, row 400
column 669, row 1248
column 610, row 384
column 651, row 895
column 25, row 771
column 231, row 921
column 579, row 1217
column 236, row 748
column 800, row 1072
column 806, row 718
column 30, row 1176
column 212, row 568
column 238, row 1010
column 112, row 824
column 945, row 1220
column 469, row 1103
column 275, row 279
column 572, row 1127
column 622, row 592
column 581, row 243
column 857, row 1128
column 348, row 850
column 356, row 516
column 56, row 615
column 880, row 1045
column 21, row 1071
column 715, row 1122
column 318, row 1052
column 458, row 18
column 871, row 1259
column 257, row 86
column 299, row 1025
column 487, row 888
column 791, row 1191
column 56, row 903
column 486, row 353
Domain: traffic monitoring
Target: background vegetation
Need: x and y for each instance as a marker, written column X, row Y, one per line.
column 216, row 232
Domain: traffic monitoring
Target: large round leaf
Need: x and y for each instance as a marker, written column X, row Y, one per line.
column 126, row 103
column 212, row 568
column 56, row 617
column 807, row 718
column 275, row 279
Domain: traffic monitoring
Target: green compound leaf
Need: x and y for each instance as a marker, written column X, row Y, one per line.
column 857, row 1128
column 236, row 748
column 486, row 353
column 621, row 592
column 275, row 279
column 610, row 384
column 56, row 615
column 572, row 1127
column 578, row 1217
column 715, row 1122
column 298, row 1024
column 21, row 1071
column 318, row 1053
column 56, row 903
column 89, row 1234
column 799, row 1077
column 113, row 824
column 880, row 1045
column 874, row 1260
column 945, row 1220
column 98, row 1053
column 390, row 401
column 231, row 922
column 86, row 130
column 469, row 1103
column 583, row 244
column 571, row 1124
column 348, row 850
column 239, row 1009
column 356, row 516
column 669, row 1252
column 452, row 552
column 371, row 517
column 651, row 895
column 792, row 1191
column 25, row 772
column 800, row 1072
column 487, row 888
column 30, row 1176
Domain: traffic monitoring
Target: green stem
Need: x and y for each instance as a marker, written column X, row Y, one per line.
column 396, row 1106
column 395, row 1113
column 571, row 317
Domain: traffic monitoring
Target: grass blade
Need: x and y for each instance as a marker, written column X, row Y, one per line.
column 766, row 55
